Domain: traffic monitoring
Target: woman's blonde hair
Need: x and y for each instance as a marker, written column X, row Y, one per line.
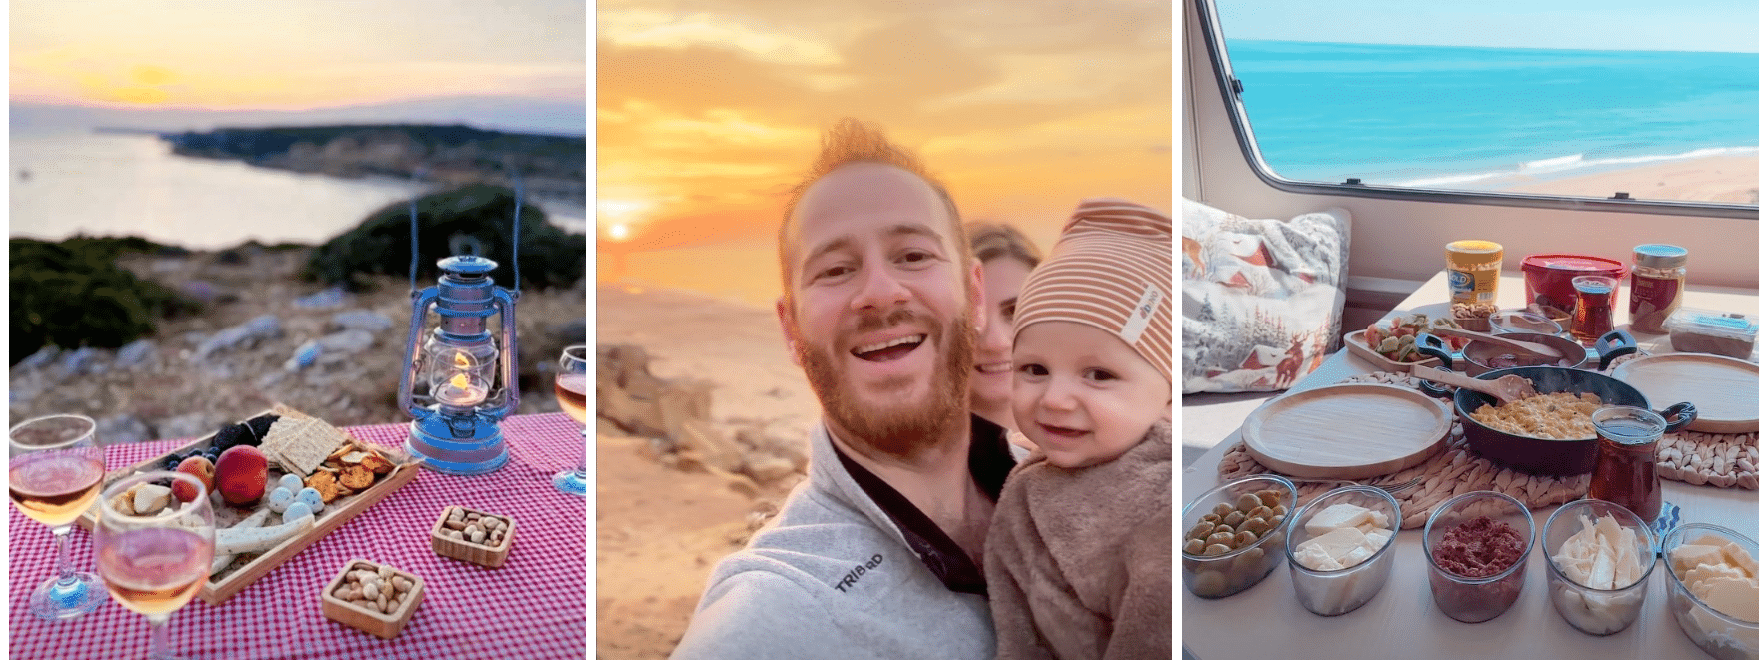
column 990, row 240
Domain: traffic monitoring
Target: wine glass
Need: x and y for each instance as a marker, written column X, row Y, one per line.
column 155, row 562
column 54, row 473
column 572, row 396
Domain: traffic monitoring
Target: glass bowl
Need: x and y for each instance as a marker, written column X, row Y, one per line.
column 1476, row 599
column 1339, row 591
column 1211, row 573
column 1720, row 635
column 1592, row 610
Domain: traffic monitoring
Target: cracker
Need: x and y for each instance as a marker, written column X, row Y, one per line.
column 303, row 443
column 357, row 477
column 326, row 484
column 377, row 464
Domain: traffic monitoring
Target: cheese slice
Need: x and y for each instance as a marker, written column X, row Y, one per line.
column 1688, row 556
column 1734, row 597
column 1337, row 516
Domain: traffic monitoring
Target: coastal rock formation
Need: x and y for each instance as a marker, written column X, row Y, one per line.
column 676, row 414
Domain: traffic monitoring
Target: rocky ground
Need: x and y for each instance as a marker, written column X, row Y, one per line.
column 236, row 357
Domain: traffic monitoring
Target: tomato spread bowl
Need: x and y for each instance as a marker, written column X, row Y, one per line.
column 1591, row 609
column 1477, row 578
column 1721, row 635
column 1330, row 591
column 1213, row 566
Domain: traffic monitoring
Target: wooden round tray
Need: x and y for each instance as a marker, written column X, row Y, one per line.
column 1724, row 389
column 1347, row 431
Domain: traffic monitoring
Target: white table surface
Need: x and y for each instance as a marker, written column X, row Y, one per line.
column 1267, row 622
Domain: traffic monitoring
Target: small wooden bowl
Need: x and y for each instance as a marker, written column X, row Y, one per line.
column 379, row 624
column 482, row 554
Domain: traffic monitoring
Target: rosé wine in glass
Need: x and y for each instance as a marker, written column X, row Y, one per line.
column 155, row 570
column 53, row 476
column 54, row 489
column 154, row 562
column 572, row 396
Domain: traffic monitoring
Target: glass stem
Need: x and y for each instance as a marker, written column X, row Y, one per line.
column 63, row 562
column 161, row 649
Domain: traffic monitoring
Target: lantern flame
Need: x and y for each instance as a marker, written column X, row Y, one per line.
column 460, row 381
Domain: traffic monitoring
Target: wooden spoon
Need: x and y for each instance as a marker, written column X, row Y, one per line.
column 1541, row 350
column 1507, row 388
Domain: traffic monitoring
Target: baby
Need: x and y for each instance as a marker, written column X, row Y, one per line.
column 1078, row 557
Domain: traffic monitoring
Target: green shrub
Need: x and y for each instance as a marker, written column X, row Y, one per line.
column 72, row 294
column 480, row 214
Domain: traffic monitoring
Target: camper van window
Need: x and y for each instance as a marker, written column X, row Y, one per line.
column 1574, row 98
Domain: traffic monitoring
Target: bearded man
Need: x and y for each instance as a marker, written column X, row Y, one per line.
column 877, row 554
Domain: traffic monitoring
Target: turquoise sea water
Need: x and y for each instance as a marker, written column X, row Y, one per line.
column 1476, row 117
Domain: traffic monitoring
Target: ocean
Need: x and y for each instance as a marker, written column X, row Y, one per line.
column 1480, row 118
column 108, row 184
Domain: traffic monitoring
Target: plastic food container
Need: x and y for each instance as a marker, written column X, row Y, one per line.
column 1224, row 574
column 1722, row 636
column 1703, row 331
column 1548, row 278
column 1592, row 610
column 1331, row 593
column 1476, row 599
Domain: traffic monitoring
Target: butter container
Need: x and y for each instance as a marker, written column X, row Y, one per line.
column 1720, row 634
column 1719, row 333
column 1335, row 586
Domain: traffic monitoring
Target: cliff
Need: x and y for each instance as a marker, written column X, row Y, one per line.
column 552, row 166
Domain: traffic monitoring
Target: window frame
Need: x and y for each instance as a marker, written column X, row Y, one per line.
column 1212, row 31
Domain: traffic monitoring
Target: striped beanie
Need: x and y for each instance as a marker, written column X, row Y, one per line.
column 1111, row 269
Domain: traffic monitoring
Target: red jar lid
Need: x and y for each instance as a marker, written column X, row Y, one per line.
column 1573, row 263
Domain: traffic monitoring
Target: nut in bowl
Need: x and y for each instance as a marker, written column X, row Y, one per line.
column 1339, row 548
column 479, row 537
column 374, row 598
column 1236, row 534
column 1713, row 588
column 1599, row 556
column 1476, row 545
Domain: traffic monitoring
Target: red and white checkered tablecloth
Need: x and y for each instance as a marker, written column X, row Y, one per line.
column 534, row 607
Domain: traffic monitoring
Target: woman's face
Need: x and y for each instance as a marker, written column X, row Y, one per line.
column 990, row 387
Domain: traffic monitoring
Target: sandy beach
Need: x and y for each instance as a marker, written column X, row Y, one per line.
column 1715, row 179
column 659, row 530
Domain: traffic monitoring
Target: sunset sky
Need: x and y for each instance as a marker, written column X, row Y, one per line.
column 292, row 54
column 705, row 117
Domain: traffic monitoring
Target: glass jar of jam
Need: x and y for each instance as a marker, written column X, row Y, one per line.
column 1626, row 469
column 1655, row 286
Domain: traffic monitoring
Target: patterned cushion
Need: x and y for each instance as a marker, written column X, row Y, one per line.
column 1261, row 299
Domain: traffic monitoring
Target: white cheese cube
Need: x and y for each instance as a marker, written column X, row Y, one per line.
column 1335, row 517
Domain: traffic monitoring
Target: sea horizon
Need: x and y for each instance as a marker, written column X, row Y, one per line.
column 1482, row 117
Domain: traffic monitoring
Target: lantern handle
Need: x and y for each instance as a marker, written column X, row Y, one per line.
column 415, row 176
column 419, row 304
column 519, row 200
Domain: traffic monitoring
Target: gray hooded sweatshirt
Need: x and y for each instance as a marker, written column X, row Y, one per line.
column 837, row 575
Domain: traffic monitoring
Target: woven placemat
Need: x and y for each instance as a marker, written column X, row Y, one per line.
column 1725, row 460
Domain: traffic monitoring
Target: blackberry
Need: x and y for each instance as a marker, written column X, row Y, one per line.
column 233, row 436
column 259, row 426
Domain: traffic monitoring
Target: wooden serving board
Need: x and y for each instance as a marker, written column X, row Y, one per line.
column 1356, row 345
column 217, row 590
column 1347, row 431
column 1724, row 389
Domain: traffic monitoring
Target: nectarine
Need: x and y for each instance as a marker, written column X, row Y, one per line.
column 202, row 469
column 241, row 475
